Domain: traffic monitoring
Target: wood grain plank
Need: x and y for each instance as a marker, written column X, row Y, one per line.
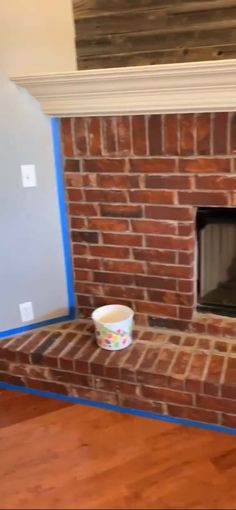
column 159, row 57
column 154, row 21
column 146, row 41
column 86, row 8
column 124, row 32
column 82, row 457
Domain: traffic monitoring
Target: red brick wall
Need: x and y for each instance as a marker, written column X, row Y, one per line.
column 133, row 185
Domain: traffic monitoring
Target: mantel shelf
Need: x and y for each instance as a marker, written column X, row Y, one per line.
column 170, row 88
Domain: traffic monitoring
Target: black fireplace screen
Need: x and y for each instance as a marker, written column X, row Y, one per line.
column 216, row 229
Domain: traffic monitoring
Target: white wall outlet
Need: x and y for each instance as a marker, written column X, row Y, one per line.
column 28, row 176
column 26, row 311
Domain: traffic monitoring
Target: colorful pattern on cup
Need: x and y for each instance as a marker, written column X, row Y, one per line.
column 113, row 340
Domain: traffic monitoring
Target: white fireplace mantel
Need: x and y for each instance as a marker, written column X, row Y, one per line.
column 170, row 88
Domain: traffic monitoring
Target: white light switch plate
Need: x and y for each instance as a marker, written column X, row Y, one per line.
column 26, row 311
column 28, row 175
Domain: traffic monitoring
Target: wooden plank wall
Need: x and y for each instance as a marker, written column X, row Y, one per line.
column 113, row 33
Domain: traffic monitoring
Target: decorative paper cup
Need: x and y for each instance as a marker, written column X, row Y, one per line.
column 113, row 325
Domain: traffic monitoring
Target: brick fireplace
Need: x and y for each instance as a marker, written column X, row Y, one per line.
column 134, row 188
column 134, row 185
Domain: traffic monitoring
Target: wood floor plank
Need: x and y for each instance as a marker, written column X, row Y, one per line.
column 59, row 455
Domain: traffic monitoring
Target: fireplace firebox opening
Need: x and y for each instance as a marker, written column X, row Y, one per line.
column 216, row 284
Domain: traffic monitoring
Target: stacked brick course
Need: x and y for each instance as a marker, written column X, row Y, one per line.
column 133, row 186
column 179, row 374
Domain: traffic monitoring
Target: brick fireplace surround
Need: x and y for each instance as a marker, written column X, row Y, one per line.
column 133, row 185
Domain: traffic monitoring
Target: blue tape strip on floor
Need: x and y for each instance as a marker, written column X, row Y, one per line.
column 120, row 409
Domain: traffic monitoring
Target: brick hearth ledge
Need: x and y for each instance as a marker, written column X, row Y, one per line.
column 176, row 374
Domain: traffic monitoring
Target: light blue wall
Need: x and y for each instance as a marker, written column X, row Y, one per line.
column 32, row 263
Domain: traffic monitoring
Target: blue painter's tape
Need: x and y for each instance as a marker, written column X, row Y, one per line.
column 65, row 239
column 121, row 409
column 63, row 218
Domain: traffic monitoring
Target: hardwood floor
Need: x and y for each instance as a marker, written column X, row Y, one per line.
column 58, row 455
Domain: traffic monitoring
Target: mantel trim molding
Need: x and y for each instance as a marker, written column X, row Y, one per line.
column 170, row 88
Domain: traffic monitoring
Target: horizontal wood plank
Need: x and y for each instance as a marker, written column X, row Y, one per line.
column 86, row 8
column 159, row 57
column 146, row 32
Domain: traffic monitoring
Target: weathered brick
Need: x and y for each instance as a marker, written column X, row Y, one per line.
column 123, row 239
column 203, row 133
column 233, row 133
column 74, row 195
column 99, row 361
column 139, row 135
column 80, row 136
column 119, row 181
column 130, row 362
column 170, row 126
column 97, row 195
column 94, row 136
column 156, row 309
column 53, row 387
column 203, row 198
column 87, row 263
column 220, row 123
column 186, row 131
column 115, row 362
column 124, row 266
column 204, row 165
column 179, row 369
column 66, row 136
column 186, row 286
column 213, row 376
column 167, row 395
column 172, row 298
column 162, row 256
column 114, row 278
column 170, row 242
column 169, row 182
column 185, row 258
column 216, row 404
column 83, row 274
column 107, row 224
column 155, row 134
column 155, row 282
column 107, row 165
column 193, row 413
column 167, row 322
column 92, row 394
column 122, row 211
column 194, row 380
column 170, row 213
column 152, row 196
column 123, row 292
column 108, row 129
column 66, row 358
column 83, row 357
column 144, row 405
column 186, row 229
column 84, row 237
column 112, row 252
column 154, row 227
column 153, row 165
column 82, row 209
column 229, row 420
column 216, row 182
column 77, row 223
column 123, row 135
column 72, row 165
column 170, row 271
